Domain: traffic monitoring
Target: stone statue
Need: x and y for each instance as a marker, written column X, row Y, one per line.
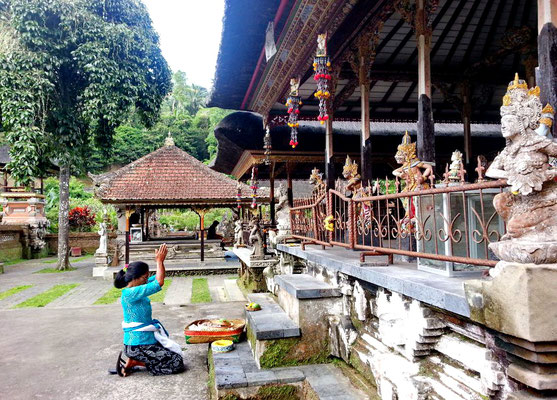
column 413, row 171
column 103, row 241
column 455, row 169
column 282, row 215
column 238, row 234
column 294, row 86
column 321, row 45
column 530, row 208
column 256, row 240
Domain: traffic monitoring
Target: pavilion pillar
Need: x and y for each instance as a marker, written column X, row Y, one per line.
column 147, row 217
column 272, row 194
column 127, row 253
column 365, row 151
column 466, row 118
column 329, row 162
column 5, row 181
column 289, row 191
column 547, row 52
column 426, row 129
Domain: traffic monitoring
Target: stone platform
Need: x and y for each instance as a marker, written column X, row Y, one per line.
column 187, row 268
column 271, row 322
column 405, row 278
column 303, row 286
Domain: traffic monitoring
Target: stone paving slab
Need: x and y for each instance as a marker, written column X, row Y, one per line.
column 83, row 295
column 19, row 297
column 304, row 286
column 233, row 292
column 179, row 293
column 271, row 322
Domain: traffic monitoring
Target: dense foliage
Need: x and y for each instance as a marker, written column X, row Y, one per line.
column 82, row 219
column 182, row 115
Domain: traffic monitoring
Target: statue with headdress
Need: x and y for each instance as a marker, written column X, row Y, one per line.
column 530, row 207
column 414, row 173
column 350, row 173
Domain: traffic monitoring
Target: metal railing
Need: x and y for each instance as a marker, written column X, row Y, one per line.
column 451, row 223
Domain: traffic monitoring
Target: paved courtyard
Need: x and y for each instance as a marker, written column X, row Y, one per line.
column 63, row 350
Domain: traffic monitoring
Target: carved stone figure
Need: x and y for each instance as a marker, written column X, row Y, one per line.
column 321, row 45
column 282, row 215
column 256, row 240
column 455, row 169
column 530, row 208
column 103, row 241
column 238, row 234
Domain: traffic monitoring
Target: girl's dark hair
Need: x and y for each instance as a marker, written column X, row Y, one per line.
column 134, row 270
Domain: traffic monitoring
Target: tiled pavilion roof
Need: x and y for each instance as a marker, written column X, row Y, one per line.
column 170, row 176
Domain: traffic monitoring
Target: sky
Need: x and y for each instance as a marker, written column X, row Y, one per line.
column 189, row 32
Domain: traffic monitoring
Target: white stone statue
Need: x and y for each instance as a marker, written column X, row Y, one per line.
column 103, row 241
column 530, row 207
column 238, row 234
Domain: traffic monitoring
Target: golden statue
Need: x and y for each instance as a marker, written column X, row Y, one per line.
column 350, row 173
column 414, row 172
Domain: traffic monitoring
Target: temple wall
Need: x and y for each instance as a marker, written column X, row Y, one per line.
column 88, row 241
column 410, row 350
column 11, row 242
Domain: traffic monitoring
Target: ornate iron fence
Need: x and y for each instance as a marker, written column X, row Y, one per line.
column 452, row 224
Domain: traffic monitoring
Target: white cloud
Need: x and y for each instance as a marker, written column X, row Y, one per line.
column 190, row 32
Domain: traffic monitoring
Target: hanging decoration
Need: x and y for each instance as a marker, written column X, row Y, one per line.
column 239, row 195
column 293, row 103
column 322, row 68
column 267, row 146
column 253, row 186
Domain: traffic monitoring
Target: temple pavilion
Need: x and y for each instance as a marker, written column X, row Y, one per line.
column 167, row 178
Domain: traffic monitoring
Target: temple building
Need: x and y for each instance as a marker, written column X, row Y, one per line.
column 426, row 255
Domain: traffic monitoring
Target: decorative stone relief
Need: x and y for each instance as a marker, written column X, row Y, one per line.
column 360, row 302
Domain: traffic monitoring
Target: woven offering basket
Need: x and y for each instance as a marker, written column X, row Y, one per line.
column 230, row 329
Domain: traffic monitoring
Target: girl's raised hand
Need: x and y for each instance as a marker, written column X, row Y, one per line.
column 161, row 252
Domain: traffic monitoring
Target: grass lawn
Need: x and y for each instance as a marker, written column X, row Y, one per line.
column 9, row 292
column 114, row 294
column 53, row 270
column 72, row 259
column 200, row 291
column 12, row 262
column 44, row 298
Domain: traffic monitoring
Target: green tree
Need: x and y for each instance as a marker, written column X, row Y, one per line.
column 70, row 72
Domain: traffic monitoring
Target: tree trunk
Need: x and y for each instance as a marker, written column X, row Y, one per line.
column 63, row 219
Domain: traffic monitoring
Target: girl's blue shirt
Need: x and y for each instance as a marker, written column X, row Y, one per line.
column 137, row 308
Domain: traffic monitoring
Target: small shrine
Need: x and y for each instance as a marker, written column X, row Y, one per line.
column 164, row 179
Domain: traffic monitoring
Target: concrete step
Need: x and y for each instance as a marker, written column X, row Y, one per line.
column 271, row 322
column 237, row 369
column 232, row 291
column 304, row 286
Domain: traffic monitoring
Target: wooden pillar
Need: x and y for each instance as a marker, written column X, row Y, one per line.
column 272, row 194
column 201, row 214
column 466, row 117
column 426, row 129
column 127, row 254
column 329, row 162
column 5, row 181
column 289, row 191
column 42, row 185
column 142, row 215
column 365, row 151
column 547, row 52
column 148, row 211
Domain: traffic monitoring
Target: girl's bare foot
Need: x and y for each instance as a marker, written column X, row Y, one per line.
column 130, row 364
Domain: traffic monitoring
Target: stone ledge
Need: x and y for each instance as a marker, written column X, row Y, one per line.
column 439, row 291
column 303, row 286
column 271, row 322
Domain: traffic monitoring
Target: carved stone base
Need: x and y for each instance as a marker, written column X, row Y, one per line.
column 526, row 252
column 101, row 264
column 519, row 300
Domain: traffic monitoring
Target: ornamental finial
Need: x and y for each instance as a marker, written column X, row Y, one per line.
column 169, row 141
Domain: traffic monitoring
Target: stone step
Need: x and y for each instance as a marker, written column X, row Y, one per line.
column 304, row 286
column 271, row 322
column 237, row 369
column 179, row 293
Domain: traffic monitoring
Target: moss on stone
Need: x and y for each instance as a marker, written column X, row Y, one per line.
column 230, row 396
column 251, row 337
column 294, row 351
column 429, row 369
column 278, row 392
column 363, row 369
column 9, row 254
column 211, row 379
column 362, row 380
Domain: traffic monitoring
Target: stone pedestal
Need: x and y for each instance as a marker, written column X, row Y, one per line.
column 520, row 302
column 101, row 264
